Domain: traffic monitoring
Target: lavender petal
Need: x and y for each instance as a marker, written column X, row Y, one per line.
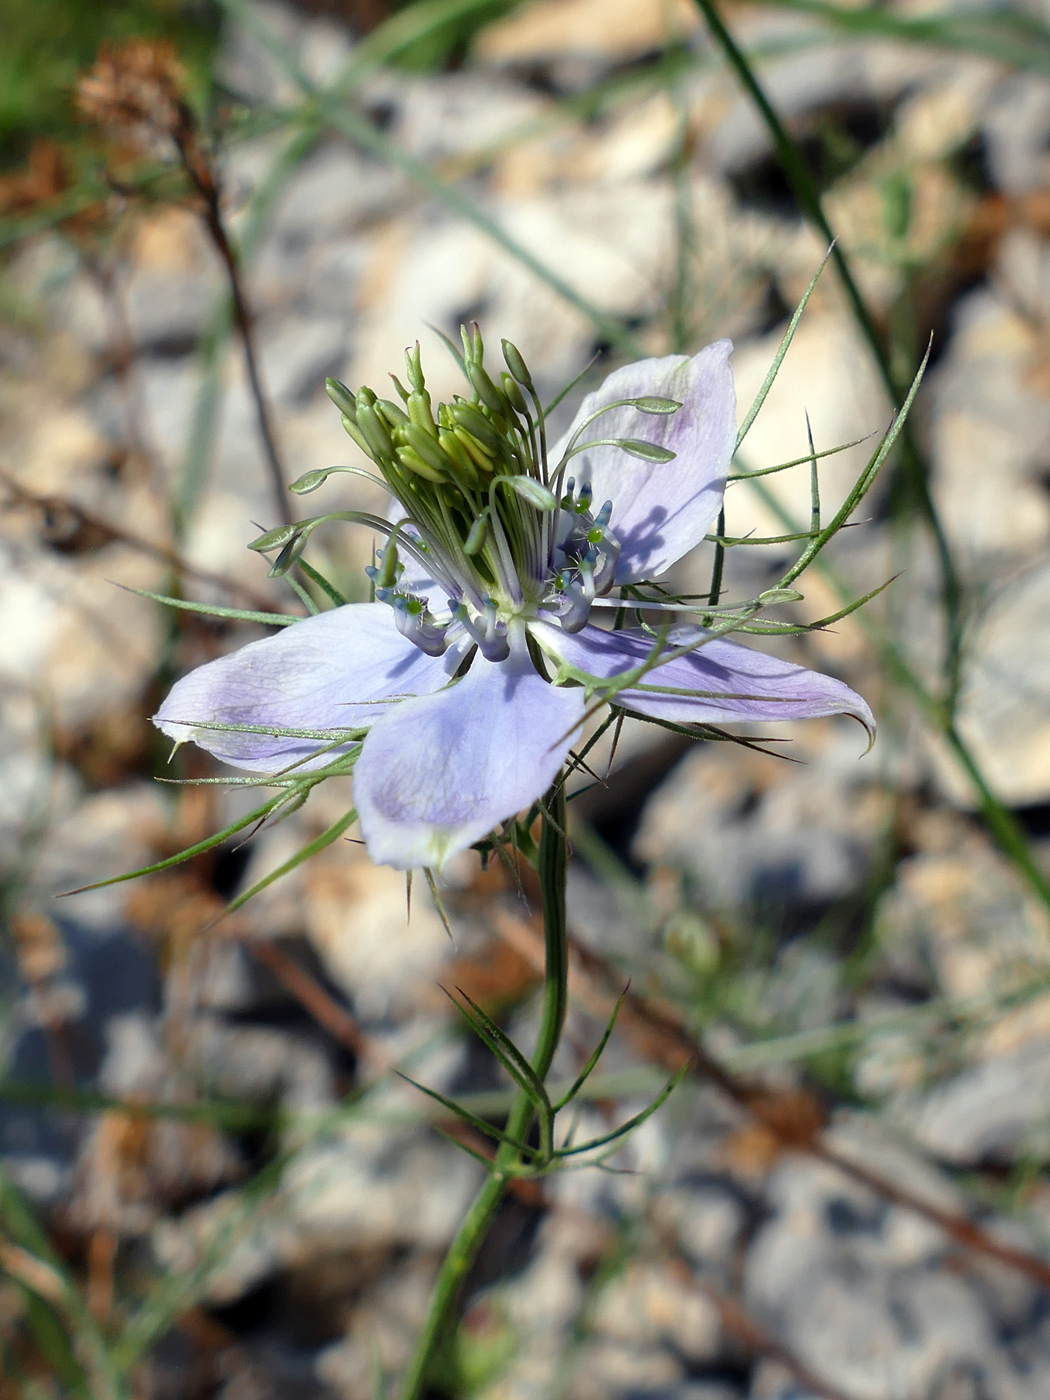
column 439, row 773
column 660, row 510
column 737, row 682
column 325, row 672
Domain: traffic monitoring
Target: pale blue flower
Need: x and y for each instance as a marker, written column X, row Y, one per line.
column 475, row 666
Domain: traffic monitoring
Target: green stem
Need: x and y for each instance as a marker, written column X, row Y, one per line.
column 809, row 201
column 553, row 868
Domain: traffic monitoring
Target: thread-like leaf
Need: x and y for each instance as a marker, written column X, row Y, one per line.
column 213, row 610
column 310, row 849
column 482, row 1125
column 508, row 1054
column 209, row 843
column 589, row 1067
column 632, row 1123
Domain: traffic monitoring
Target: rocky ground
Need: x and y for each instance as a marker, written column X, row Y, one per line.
column 850, row 1199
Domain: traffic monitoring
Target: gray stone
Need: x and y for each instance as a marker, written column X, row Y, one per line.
column 748, row 827
column 992, row 1112
column 1016, row 132
column 300, row 353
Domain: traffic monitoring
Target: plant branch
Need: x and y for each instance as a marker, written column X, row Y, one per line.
column 553, row 868
column 204, row 181
column 103, row 532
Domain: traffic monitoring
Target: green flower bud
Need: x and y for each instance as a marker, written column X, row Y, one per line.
column 458, row 455
column 473, row 345
column 274, row 539
column 358, row 436
column 394, row 415
column 513, row 394
column 478, row 453
column 342, row 397
column 516, row 364
column 411, row 460
column 466, row 416
column 420, row 412
column 486, row 391
column 374, row 430
column 402, row 391
column 476, row 538
column 415, row 369
column 420, row 441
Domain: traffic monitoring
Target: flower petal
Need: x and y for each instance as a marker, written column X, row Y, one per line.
column 438, row 773
column 736, row 682
column 325, row 672
column 660, row 510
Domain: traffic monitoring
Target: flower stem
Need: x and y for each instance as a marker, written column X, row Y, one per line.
column 553, row 869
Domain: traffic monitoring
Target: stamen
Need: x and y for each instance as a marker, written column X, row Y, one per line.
column 415, row 622
column 487, row 629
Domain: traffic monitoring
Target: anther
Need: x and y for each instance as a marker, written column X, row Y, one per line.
column 416, row 624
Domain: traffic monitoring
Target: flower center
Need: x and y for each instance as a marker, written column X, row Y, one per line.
column 485, row 528
column 481, row 514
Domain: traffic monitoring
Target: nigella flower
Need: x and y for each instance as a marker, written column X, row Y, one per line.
column 469, row 675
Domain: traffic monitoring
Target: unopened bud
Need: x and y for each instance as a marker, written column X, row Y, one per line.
column 513, row 394
column 342, row 397
column 374, row 430
column 477, row 425
column 358, row 436
column 414, row 367
column 430, row 451
column 415, row 463
column 420, row 412
column 476, row 538
column 394, row 415
column 516, row 364
column 458, row 455
column 479, row 455
column 486, row 391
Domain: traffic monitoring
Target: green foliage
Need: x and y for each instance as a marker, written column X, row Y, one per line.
column 447, row 43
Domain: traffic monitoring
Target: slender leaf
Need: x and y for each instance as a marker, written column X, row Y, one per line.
column 632, row 1123
column 481, row 1124
column 501, row 1045
column 310, row 849
column 213, row 609
column 782, row 349
column 589, row 1067
column 209, row 843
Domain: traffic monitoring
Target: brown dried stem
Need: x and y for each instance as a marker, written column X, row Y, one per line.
column 100, row 532
column 306, row 990
column 136, row 91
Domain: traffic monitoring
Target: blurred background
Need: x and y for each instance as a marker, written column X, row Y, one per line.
column 211, row 1182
